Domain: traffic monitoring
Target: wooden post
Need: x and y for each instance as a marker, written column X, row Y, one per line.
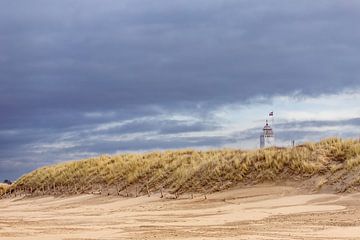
column 147, row 189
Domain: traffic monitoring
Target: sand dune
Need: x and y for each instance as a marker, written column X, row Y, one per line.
column 261, row 212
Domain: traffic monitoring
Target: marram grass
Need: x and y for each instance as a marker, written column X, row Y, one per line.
column 335, row 161
column 3, row 188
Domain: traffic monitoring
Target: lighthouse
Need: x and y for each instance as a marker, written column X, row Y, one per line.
column 267, row 138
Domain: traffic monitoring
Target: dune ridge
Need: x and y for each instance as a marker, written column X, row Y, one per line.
column 332, row 164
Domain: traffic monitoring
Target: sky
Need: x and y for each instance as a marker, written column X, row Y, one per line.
column 82, row 78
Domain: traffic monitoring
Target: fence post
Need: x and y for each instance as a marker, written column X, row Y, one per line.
column 147, row 189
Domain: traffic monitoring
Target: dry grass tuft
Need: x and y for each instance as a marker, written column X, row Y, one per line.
column 197, row 171
column 3, row 188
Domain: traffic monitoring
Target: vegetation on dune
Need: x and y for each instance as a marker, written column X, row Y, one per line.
column 3, row 188
column 334, row 162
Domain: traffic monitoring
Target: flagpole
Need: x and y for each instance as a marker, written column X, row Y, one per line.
column 271, row 114
column 273, row 126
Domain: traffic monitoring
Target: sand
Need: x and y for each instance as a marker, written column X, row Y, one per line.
column 261, row 212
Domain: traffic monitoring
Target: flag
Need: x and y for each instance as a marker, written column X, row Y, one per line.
column 271, row 114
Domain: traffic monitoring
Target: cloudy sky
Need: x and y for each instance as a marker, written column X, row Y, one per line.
column 81, row 78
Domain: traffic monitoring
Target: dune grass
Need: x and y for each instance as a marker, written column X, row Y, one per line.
column 3, row 188
column 334, row 159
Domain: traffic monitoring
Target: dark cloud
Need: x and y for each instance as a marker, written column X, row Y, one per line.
column 303, row 131
column 72, row 65
column 285, row 125
column 86, row 58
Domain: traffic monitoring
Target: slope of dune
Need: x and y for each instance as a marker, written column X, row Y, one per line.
column 265, row 211
column 332, row 164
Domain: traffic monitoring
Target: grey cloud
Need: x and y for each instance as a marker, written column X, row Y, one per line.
column 355, row 122
column 161, row 126
column 99, row 60
column 299, row 130
column 153, row 144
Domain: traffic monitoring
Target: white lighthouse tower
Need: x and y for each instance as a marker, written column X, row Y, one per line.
column 267, row 138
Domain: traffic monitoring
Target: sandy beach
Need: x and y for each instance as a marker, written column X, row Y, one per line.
column 261, row 212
